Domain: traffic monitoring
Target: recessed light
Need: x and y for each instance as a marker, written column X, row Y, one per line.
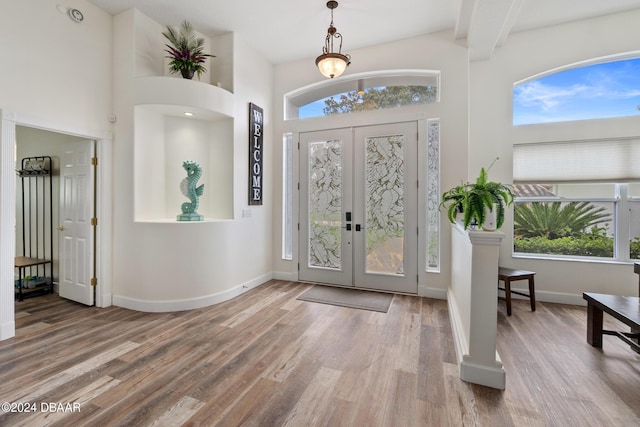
column 188, row 114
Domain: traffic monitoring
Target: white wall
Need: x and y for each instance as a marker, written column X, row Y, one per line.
column 491, row 133
column 62, row 80
column 65, row 84
column 56, row 70
column 431, row 52
column 177, row 265
column 488, row 101
column 58, row 78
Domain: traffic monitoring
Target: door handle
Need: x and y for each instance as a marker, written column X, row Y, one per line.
column 357, row 227
column 60, row 228
column 348, row 216
column 348, row 227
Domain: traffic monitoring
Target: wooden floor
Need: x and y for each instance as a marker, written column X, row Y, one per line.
column 267, row 359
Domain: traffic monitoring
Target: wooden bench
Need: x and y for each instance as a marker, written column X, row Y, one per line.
column 625, row 309
column 508, row 275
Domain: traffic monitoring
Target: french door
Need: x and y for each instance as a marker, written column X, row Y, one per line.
column 358, row 207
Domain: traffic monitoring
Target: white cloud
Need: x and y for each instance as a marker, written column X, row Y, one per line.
column 536, row 94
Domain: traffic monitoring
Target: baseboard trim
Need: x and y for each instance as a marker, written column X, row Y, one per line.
column 459, row 338
column 189, row 304
column 478, row 373
column 552, row 297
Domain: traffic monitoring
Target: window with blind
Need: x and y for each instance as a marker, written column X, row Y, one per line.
column 578, row 199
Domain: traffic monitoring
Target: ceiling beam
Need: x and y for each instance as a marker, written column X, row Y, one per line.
column 485, row 24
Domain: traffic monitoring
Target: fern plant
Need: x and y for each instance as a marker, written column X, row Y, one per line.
column 186, row 51
column 473, row 198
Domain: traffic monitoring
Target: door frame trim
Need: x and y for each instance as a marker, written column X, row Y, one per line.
column 104, row 202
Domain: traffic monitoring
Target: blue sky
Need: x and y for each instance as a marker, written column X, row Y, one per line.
column 609, row 89
column 312, row 110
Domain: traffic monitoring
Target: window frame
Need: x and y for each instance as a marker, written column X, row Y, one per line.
column 621, row 226
column 317, row 91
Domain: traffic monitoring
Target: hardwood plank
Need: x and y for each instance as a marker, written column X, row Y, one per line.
column 36, row 388
column 315, row 400
column 267, row 359
column 77, row 399
column 179, row 413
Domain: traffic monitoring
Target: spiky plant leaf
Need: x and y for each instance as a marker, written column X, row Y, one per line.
column 552, row 220
column 186, row 50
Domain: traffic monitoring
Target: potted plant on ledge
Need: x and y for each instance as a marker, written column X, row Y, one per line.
column 482, row 203
column 185, row 51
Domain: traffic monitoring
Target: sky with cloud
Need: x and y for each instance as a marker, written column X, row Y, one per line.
column 603, row 90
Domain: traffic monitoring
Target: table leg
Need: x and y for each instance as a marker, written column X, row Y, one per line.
column 507, row 295
column 20, row 275
column 532, row 294
column 635, row 330
column 594, row 325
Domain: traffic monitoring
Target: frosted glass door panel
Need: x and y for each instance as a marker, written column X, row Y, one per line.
column 325, row 204
column 385, row 202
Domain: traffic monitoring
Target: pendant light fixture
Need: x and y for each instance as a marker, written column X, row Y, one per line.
column 331, row 64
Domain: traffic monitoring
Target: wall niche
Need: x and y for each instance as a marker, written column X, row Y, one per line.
column 165, row 136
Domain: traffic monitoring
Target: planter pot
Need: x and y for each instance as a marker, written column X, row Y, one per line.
column 489, row 219
column 187, row 74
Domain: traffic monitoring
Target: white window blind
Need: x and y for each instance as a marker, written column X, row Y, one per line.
column 614, row 160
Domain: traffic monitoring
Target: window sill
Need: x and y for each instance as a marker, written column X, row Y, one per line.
column 561, row 258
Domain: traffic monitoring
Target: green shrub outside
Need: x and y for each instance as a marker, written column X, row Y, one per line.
column 635, row 248
column 585, row 245
column 600, row 246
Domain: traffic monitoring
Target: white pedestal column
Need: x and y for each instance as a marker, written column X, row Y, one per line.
column 473, row 305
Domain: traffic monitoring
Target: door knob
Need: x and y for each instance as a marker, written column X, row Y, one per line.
column 60, row 228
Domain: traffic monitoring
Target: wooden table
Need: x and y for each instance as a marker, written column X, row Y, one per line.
column 625, row 309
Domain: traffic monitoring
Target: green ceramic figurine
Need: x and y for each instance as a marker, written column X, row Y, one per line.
column 189, row 189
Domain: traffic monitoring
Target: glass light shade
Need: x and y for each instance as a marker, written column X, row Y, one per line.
column 332, row 64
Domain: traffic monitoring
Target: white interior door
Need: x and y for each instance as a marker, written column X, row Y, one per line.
column 77, row 208
column 358, row 207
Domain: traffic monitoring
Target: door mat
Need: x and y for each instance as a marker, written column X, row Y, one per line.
column 352, row 298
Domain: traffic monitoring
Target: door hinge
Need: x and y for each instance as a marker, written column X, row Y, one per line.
column 298, row 226
column 94, row 222
column 94, row 161
column 298, row 145
column 94, row 281
column 298, row 266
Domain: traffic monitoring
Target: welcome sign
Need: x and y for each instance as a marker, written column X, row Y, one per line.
column 256, row 121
